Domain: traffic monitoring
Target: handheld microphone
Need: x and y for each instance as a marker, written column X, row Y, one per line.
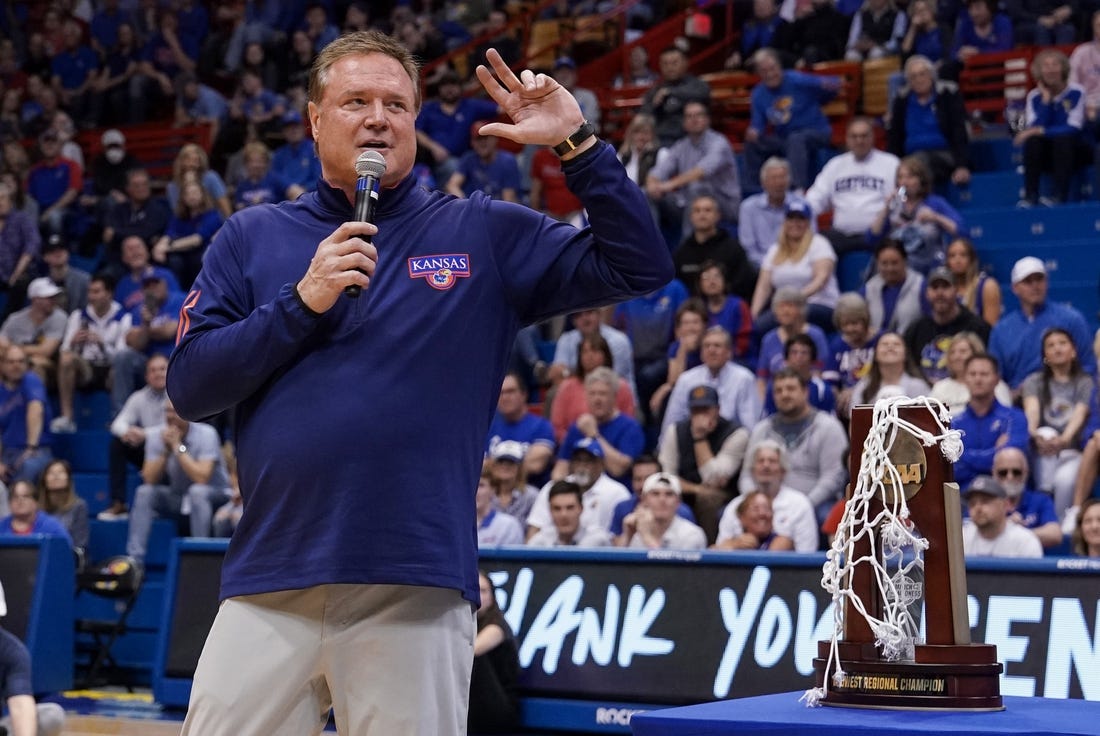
column 370, row 166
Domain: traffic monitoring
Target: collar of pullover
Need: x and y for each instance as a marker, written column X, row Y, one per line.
column 332, row 199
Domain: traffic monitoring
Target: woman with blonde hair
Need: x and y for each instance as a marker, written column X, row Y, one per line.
column 194, row 222
column 978, row 291
column 640, row 148
column 192, row 159
column 802, row 259
column 952, row 391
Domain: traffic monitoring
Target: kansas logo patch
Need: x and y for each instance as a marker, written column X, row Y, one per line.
column 442, row 271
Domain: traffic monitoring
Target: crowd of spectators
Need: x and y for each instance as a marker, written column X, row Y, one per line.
column 711, row 412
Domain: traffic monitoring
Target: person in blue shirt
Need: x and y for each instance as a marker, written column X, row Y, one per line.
column 757, row 33
column 26, row 517
column 155, row 319
column 296, row 162
column 1015, row 339
column 136, row 264
column 24, row 418
column 165, row 55
column 800, row 354
column 260, row 185
column 24, row 716
column 925, row 36
column 332, row 395
column 619, row 436
column 1030, row 509
column 1053, row 138
column 194, row 25
column 193, row 224
column 981, row 29
column 253, row 108
column 851, row 349
column 317, row 26
column 928, row 119
column 103, row 27
column 75, row 70
column 513, row 421
column 787, row 119
column 198, row 103
column 921, row 220
column 485, row 169
column 443, row 126
column 987, row 425
column 649, row 321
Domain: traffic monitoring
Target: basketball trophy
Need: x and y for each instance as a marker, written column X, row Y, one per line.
column 900, row 541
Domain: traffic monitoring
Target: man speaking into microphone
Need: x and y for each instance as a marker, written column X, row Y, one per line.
column 352, row 578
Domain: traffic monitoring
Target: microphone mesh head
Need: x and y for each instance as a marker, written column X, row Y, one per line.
column 370, row 163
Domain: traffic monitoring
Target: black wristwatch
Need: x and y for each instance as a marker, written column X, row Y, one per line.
column 580, row 135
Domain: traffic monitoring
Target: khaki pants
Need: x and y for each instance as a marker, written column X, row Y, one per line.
column 390, row 660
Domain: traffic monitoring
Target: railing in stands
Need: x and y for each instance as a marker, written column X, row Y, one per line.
column 542, row 40
column 990, row 81
column 154, row 144
column 731, row 92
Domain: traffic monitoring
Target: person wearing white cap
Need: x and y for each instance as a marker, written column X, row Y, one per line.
column 514, row 495
column 38, row 327
column 1016, row 338
column 108, row 169
column 655, row 523
column 494, row 526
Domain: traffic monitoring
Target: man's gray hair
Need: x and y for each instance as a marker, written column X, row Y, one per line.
column 604, row 375
column 768, row 444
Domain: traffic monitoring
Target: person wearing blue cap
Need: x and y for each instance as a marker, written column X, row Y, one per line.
column 296, row 162
column 600, row 493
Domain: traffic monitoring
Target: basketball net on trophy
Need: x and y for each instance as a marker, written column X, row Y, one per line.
column 899, row 543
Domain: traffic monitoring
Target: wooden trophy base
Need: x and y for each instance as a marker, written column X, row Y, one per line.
column 943, row 677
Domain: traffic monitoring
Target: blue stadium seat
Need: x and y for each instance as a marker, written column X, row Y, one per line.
column 994, row 154
column 987, row 190
column 92, row 409
column 851, row 268
column 86, row 450
column 92, row 487
column 108, row 538
column 991, row 226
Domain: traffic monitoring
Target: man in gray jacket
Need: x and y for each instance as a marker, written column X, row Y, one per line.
column 816, row 443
